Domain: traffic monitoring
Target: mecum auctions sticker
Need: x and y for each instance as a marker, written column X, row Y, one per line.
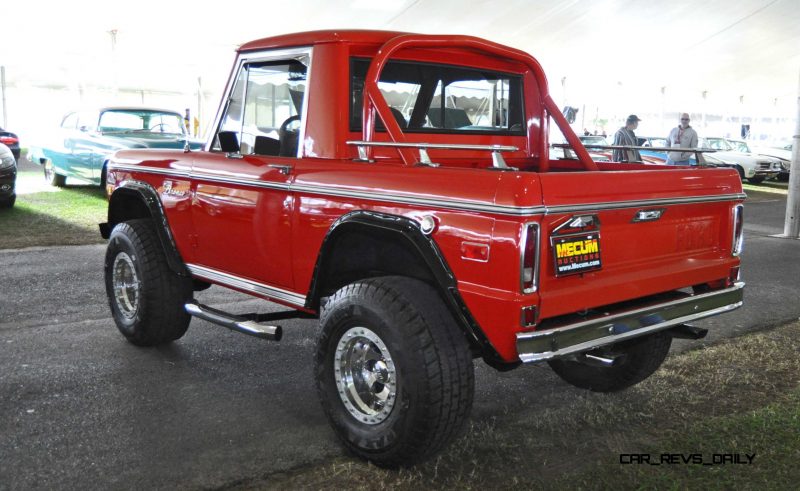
column 576, row 253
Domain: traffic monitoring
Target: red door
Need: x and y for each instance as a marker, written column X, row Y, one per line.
column 242, row 214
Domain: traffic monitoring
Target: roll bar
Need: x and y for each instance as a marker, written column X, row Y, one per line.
column 375, row 103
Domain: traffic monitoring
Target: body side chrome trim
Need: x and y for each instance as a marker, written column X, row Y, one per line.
column 413, row 200
column 247, row 285
column 285, row 186
column 621, row 205
column 443, row 203
column 153, row 170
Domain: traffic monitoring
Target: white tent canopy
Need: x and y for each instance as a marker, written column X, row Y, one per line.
column 718, row 58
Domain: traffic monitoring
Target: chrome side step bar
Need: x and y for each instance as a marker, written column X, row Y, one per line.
column 234, row 322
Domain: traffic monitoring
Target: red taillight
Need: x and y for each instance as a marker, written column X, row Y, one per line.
column 530, row 257
column 528, row 317
column 8, row 140
column 737, row 244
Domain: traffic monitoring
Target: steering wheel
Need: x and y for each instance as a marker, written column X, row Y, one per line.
column 285, row 125
column 159, row 125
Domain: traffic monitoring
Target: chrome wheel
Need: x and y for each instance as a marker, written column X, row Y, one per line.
column 126, row 285
column 365, row 375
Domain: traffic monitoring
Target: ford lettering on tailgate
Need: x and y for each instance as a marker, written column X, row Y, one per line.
column 576, row 253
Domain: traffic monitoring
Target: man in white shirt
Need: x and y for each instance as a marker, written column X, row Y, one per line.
column 683, row 136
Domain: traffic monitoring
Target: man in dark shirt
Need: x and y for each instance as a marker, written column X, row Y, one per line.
column 625, row 136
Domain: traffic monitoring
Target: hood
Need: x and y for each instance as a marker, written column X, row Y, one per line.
column 744, row 158
column 150, row 140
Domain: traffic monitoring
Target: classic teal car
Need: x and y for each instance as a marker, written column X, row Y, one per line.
column 81, row 147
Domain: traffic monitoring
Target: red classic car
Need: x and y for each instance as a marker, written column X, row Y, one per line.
column 399, row 187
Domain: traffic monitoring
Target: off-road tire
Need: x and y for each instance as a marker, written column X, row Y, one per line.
column 433, row 378
column 151, row 311
column 642, row 357
column 52, row 177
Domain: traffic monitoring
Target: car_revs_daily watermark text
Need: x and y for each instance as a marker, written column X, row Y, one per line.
column 686, row 459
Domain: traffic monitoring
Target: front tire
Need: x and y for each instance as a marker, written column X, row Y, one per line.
column 756, row 179
column 52, row 177
column 394, row 372
column 641, row 357
column 146, row 297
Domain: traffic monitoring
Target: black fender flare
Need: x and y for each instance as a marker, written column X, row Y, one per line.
column 424, row 247
column 148, row 197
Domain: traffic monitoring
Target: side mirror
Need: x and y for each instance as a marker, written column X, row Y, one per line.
column 228, row 141
column 83, row 129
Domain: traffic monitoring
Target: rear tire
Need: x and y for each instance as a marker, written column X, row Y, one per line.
column 146, row 297
column 394, row 372
column 642, row 357
column 52, row 177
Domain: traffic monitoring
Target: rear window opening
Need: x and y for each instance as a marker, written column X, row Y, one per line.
column 433, row 98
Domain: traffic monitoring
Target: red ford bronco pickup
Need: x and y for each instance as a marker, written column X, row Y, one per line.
column 400, row 188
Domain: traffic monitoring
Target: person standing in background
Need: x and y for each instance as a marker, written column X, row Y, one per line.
column 626, row 137
column 683, row 136
column 187, row 122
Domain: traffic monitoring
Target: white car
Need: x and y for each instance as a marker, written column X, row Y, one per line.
column 783, row 153
column 753, row 167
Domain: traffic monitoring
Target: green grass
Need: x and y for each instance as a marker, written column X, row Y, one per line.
column 740, row 396
column 770, row 434
column 45, row 216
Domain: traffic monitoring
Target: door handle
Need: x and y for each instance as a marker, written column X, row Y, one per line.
column 283, row 169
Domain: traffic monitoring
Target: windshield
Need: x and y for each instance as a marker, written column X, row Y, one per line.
column 739, row 146
column 716, row 144
column 141, row 121
column 593, row 140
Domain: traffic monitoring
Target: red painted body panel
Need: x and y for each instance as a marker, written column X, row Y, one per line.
column 244, row 218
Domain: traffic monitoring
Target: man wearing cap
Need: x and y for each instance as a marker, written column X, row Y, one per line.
column 683, row 136
column 626, row 137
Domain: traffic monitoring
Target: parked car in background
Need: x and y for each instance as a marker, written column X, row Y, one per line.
column 755, row 168
column 593, row 140
column 595, row 144
column 654, row 155
column 8, row 177
column 783, row 154
column 562, row 153
column 10, row 140
column 85, row 141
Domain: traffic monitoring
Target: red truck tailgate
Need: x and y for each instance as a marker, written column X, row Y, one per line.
column 642, row 232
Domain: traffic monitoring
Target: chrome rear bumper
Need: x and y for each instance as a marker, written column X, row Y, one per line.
column 614, row 326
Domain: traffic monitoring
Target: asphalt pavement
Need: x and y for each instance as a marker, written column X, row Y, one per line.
column 80, row 408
